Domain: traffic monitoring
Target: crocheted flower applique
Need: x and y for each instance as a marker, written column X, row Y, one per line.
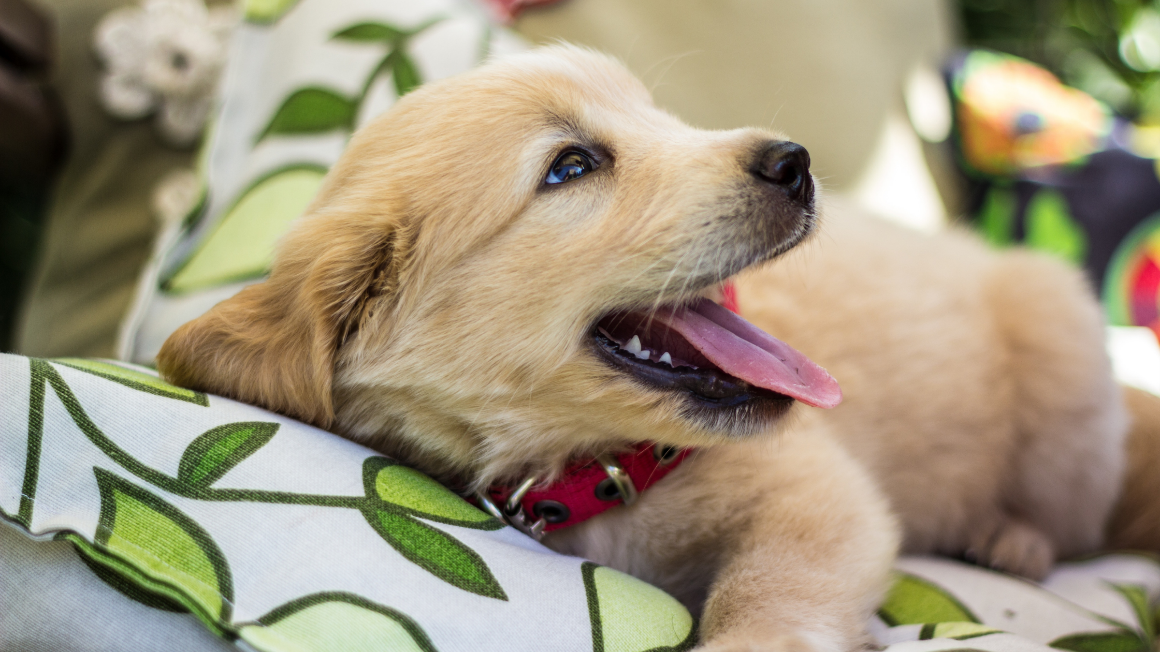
column 164, row 57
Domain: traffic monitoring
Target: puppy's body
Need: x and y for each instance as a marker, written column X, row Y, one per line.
column 457, row 294
column 977, row 394
column 977, row 391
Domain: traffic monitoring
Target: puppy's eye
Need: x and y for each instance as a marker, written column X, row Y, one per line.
column 570, row 165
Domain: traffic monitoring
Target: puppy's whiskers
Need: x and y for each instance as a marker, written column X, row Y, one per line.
column 671, row 60
column 660, row 296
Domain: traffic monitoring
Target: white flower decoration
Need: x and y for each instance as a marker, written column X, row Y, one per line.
column 164, row 56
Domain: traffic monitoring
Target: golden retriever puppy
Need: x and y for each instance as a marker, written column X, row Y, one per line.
column 507, row 272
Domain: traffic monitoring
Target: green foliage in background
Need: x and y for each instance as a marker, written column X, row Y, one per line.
column 1108, row 48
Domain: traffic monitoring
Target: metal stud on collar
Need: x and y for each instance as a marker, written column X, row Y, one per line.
column 487, row 505
column 552, row 511
column 513, row 513
column 619, row 477
column 665, row 454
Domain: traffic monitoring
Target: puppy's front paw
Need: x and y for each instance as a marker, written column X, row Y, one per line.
column 1018, row 548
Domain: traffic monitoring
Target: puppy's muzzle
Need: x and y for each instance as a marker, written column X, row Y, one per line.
column 786, row 167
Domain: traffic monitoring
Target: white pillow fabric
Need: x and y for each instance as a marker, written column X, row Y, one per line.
column 301, row 77
column 280, row 535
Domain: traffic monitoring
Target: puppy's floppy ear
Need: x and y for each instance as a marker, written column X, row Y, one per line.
column 273, row 344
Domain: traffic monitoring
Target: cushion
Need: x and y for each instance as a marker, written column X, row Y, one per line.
column 301, row 77
column 55, row 602
column 282, row 535
column 133, row 512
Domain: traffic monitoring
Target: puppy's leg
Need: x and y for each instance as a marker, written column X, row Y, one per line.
column 1013, row 545
column 1069, row 415
column 811, row 564
column 788, row 538
column 1136, row 522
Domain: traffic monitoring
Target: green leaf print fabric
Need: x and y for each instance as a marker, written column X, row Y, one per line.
column 302, row 76
column 1104, row 604
column 280, row 536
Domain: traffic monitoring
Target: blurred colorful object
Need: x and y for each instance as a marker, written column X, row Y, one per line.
column 507, row 10
column 1052, row 168
column 1013, row 115
column 1132, row 285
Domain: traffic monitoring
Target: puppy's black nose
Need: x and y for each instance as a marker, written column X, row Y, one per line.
column 786, row 165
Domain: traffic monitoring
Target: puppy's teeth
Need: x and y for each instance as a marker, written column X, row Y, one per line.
column 644, row 355
column 633, row 345
column 667, row 359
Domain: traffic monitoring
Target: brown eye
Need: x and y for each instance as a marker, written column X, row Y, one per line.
column 570, row 165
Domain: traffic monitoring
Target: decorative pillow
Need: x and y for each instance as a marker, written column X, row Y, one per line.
column 285, row 537
column 301, row 76
column 1104, row 604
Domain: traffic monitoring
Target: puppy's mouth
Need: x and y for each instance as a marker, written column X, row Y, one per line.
column 711, row 355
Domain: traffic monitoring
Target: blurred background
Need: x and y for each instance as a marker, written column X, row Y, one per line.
column 1031, row 121
column 1107, row 48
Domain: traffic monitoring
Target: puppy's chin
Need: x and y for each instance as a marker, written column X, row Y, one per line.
column 758, row 415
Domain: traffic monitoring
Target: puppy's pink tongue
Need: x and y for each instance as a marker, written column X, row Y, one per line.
column 744, row 351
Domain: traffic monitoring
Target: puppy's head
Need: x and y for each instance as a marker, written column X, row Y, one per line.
column 506, row 270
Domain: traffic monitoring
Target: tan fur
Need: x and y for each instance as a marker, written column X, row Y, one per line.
column 435, row 301
column 780, row 543
column 977, row 388
column 1136, row 522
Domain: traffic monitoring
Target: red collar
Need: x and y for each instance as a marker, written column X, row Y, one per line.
column 587, row 488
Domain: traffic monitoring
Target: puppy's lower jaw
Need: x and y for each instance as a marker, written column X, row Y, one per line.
column 704, row 384
column 729, row 375
column 710, row 399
